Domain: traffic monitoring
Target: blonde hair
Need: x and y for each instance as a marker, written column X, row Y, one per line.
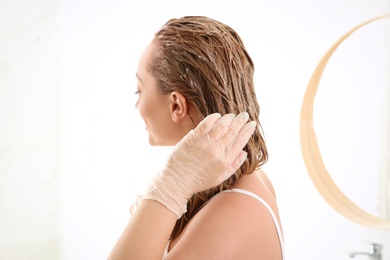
column 207, row 62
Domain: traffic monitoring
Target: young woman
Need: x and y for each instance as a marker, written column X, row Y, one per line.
column 212, row 200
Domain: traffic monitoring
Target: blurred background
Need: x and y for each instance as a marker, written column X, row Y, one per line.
column 74, row 152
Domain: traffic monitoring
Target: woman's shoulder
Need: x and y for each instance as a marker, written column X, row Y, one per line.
column 232, row 225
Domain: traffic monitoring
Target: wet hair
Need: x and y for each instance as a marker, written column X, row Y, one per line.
column 206, row 61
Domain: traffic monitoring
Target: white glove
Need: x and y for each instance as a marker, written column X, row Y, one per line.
column 204, row 158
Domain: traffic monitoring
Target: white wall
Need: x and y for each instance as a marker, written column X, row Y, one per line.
column 29, row 130
column 104, row 155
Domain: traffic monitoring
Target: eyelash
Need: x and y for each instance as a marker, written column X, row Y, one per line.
column 137, row 92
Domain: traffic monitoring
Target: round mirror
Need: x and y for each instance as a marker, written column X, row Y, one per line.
column 346, row 145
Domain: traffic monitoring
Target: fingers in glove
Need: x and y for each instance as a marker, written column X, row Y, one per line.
column 206, row 124
column 242, row 138
column 238, row 161
column 221, row 126
column 235, row 127
column 234, row 166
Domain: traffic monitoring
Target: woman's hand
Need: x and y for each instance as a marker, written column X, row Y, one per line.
column 204, row 158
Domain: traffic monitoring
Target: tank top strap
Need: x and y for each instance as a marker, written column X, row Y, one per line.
column 262, row 201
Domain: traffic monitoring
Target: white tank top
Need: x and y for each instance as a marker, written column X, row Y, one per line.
column 276, row 222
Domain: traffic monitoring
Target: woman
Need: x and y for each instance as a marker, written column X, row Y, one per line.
column 194, row 68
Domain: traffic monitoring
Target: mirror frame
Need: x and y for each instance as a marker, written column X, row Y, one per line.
column 312, row 156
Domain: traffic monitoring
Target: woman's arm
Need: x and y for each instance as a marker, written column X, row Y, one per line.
column 147, row 233
column 203, row 159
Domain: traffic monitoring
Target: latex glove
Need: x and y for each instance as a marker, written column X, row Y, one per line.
column 135, row 204
column 204, row 158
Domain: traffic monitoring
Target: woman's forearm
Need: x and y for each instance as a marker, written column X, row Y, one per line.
column 147, row 233
column 208, row 155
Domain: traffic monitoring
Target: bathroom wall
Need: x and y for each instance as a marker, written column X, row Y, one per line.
column 29, row 129
column 74, row 152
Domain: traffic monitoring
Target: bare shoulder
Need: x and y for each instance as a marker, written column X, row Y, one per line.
column 232, row 226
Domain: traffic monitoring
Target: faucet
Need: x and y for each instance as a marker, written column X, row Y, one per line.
column 375, row 252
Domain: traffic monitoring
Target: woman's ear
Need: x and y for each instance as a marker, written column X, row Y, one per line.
column 178, row 106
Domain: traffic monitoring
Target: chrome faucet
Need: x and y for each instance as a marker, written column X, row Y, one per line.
column 375, row 252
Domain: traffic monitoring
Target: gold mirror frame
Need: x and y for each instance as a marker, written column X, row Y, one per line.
column 312, row 156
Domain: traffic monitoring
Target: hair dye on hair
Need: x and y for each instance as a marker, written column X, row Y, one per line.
column 207, row 62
